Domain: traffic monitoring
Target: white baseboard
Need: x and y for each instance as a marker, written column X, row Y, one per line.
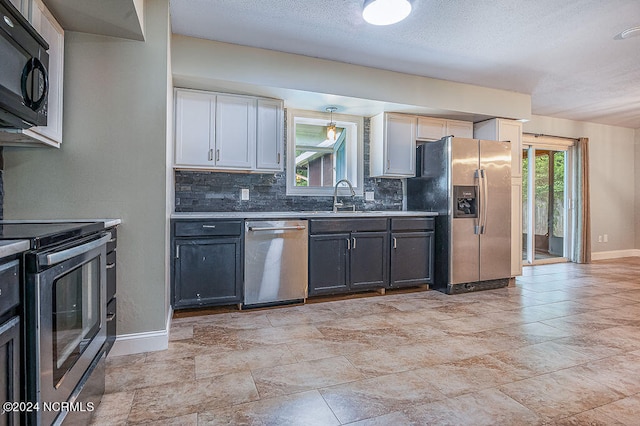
column 615, row 254
column 149, row 341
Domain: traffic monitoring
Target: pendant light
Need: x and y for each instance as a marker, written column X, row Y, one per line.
column 331, row 127
column 385, row 12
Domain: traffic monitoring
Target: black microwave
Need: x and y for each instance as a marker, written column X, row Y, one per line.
column 24, row 82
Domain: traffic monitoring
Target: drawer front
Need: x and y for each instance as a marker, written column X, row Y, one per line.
column 207, row 228
column 9, row 285
column 329, row 226
column 111, row 275
column 412, row 224
column 111, row 323
column 113, row 242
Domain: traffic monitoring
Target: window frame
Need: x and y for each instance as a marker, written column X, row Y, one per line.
column 349, row 122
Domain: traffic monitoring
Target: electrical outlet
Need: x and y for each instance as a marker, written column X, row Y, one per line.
column 599, row 238
column 368, row 196
column 605, row 238
column 244, row 194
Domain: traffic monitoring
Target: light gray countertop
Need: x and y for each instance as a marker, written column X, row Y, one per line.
column 299, row 214
column 11, row 247
column 108, row 223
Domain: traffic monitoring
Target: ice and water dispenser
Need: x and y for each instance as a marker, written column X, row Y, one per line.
column 465, row 201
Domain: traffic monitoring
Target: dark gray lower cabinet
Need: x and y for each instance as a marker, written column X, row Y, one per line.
column 411, row 252
column 348, row 255
column 369, row 260
column 411, row 263
column 328, row 263
column 10, row 368
column 207, row 263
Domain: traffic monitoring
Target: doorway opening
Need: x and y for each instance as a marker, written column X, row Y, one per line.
column 546, row 200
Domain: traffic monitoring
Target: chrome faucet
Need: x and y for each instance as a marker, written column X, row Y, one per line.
column 336, row 204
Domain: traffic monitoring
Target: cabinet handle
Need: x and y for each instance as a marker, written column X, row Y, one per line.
column 217, row 155
column 111, row 266
column 209, row 226
column 278, row 158
column 111, row 316
column 395, row 242
column 354, row 242
column 210, row 155
column 348, row 243
column 388, row 164
column 177, row 252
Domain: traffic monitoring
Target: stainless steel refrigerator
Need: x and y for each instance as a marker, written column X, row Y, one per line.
column 468, row 182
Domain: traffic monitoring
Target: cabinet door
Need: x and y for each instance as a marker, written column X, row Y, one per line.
column 235, row 132
column 511, row 130
column 411, row 258
column 459, row 129
column 369, row 260
column 22, row 6
column 194, row 128
column 52, row 32
column 431, row 129
column 270, row 142
column 400, row 149
column 328, row 263
column 10, row 368
column 208, row 272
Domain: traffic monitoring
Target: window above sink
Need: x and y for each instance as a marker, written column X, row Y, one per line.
column 316, row 159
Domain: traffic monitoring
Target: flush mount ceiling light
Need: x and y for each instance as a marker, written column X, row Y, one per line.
column 628, row 33
column 331, row 127
column 385, row 12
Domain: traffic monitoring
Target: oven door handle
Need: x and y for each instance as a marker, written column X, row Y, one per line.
column 61, row 256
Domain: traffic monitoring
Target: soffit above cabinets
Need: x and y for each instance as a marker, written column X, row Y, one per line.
column 115, row 18
column 567, row 55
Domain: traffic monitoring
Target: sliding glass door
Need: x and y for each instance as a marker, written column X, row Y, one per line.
column 546, row 205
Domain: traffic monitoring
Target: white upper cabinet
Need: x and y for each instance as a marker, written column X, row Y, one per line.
column 22, row 6
column 194, row 129
column 235, row 132
column 459, row 129
column 227, row 132
column 270, row 144
column 47, row 26
column 393, row 145
column 500, row 129
column 432, row 129
column 53, row 33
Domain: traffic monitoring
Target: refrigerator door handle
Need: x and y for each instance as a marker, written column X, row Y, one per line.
column 485, row 199
column 477, row 229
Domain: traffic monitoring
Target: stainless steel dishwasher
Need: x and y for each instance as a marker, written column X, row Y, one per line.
column 275, row 261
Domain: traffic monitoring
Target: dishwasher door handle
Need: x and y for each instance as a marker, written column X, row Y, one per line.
column 278, row 228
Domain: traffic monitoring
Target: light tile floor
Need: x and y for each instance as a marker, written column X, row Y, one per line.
column 562, row 347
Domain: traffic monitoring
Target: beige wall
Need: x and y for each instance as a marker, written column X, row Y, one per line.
column 112, row 162
column 612, row 173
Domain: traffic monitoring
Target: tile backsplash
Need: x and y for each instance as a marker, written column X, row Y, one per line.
column 197, row 191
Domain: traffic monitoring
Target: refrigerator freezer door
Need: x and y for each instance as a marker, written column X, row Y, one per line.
column 495, row 243
column 464, row 256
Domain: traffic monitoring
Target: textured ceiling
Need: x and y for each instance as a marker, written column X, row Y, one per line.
column 562, row 52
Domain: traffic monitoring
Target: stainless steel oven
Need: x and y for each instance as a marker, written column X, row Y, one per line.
column 65, row 295
column 64, row 313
